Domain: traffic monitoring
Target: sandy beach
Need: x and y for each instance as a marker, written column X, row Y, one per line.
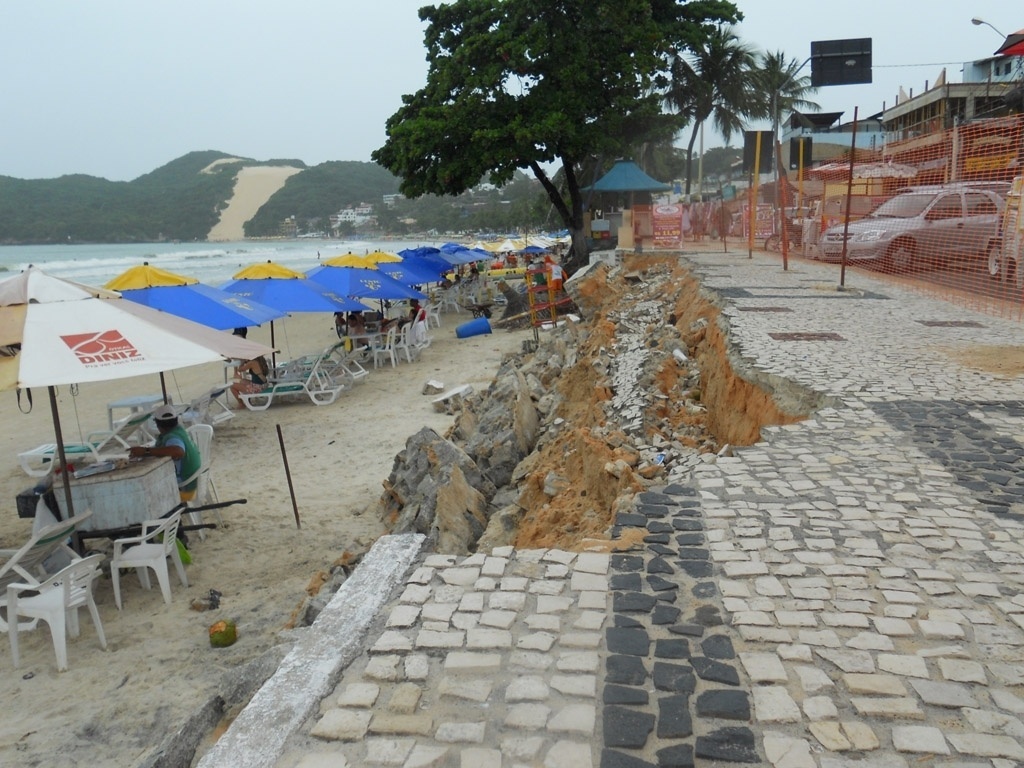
column 112, row 707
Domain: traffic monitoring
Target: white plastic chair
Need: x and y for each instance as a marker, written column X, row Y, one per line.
column 149, row 551
column 450, row 300
column 404, row 346
column 386, row 351
column 206, row 491
column 56, row 601
column 433, row 310
column 419, row 335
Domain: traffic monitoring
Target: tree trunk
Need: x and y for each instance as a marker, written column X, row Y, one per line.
column 689, row 155
column 579, row 253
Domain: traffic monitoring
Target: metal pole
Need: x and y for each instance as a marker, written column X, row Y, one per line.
column 849, row 194
column 59, row 434
column 273, row 351
column 753, row 194
column 288, row 475
column 800, row 171
column 781, row 190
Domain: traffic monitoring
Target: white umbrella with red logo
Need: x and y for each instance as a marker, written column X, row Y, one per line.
column 55, row 332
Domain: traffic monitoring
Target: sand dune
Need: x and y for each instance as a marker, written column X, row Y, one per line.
column 253, row 187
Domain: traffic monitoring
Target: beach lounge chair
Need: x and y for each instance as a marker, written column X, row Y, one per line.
column 44, row 553
column 208, row 408
column 316, row 384
column 342, row 361
column 98, row 445
column 56, row 601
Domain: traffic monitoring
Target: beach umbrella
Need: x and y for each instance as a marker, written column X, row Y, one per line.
column 509, row 245
column 426, row 256
column 429, row 261
column 54, row 332
column 457, row 254
column 533, row 249
column 187, row 297
column 362, row 283
column 368, row 260
column 285, row 289
column 413, row 272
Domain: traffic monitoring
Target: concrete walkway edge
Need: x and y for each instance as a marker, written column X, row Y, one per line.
column 257, row 736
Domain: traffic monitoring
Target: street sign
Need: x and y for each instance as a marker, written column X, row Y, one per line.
column 840, row 62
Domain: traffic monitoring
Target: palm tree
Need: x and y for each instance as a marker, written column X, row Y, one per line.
column 781, row 88
column 713, row 82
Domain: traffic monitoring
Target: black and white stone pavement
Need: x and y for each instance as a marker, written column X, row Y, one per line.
column 846, row 593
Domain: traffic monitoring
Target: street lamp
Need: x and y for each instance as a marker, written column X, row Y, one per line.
column 978, row 22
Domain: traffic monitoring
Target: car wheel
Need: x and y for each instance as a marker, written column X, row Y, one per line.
column 773, row 243
column 900, row 256
column 995, row 269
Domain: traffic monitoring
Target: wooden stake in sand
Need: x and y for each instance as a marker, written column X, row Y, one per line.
column 288, row 474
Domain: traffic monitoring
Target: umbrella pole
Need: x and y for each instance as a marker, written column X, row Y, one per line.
column 163, row 387
column 59, row 434
column 273, row 353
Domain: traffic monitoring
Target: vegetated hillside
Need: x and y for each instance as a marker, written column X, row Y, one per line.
column 174, row 202
column 317, row 193
column 179, row 201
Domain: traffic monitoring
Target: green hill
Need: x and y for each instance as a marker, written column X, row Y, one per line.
column 317, row 193
column 183, row 199
column 174, row 202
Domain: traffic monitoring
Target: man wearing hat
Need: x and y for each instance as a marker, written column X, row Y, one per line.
column 174, row 442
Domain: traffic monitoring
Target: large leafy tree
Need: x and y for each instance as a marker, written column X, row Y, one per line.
column 527, row 84
column 713, row 81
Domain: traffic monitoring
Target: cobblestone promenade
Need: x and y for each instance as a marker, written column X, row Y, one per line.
column 846, row 593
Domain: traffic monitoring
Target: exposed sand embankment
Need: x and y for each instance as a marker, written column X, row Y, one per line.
column 254, row 185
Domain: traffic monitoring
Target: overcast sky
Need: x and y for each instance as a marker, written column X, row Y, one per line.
column 118, row 88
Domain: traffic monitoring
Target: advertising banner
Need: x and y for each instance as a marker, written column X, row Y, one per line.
column 668, row 226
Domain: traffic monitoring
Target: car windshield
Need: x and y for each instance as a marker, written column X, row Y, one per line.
column 903, row 206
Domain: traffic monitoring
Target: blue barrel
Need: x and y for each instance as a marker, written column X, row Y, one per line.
column 474, row 327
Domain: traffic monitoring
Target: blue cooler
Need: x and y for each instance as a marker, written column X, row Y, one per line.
column 474, row 327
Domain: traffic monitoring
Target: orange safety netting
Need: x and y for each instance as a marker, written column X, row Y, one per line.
column 941, row 207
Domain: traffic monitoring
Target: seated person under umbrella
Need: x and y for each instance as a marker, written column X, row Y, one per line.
column 175, row 443
column 415, row 314
column 250, row 377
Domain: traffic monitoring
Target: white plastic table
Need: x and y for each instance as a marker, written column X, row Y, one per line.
column 134, row 405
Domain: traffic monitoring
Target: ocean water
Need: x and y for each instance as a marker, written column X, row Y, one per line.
column 210, row 263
